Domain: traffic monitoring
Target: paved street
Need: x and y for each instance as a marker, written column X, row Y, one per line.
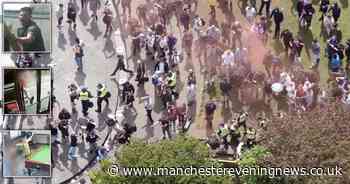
column 98, row 63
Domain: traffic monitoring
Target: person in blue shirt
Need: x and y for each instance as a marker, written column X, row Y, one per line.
column 335, row 63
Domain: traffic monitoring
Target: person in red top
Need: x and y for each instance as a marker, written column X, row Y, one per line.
column 181, row 115
column 172, row 115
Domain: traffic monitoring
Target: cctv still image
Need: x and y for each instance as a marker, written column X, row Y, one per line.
column 175, row 91
column 26, row 153
column 27, row 91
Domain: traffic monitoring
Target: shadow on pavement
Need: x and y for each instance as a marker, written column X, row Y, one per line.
column 61, row 41
column 80, row 78
column 94, row 30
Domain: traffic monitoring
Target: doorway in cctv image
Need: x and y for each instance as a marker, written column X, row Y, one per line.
column 27, row 91
column 27, row 153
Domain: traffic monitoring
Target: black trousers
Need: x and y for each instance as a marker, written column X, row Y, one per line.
column 99, row 102
column 263, row 4
column 149, row 115
column 120, row 67
column 60, row 21
column 277, row 30
column 83, row 3
column 85, row 106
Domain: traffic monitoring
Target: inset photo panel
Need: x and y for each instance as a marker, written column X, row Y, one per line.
column 26, row 27
column 27, row 153
column 27, row 91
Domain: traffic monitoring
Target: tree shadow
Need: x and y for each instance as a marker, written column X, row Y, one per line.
column 141, row 92
column 344, row 3
column 278, row 46
column 75, row 166
column 72, row 36
column 84, row 16
column 80, row 78
column 101, row 118
column 94, row 30
column 293, row 7
column 82, row 150
column 242, row 5
column 61, row 41
column 308, row 37
column 63, row 156
column 149, row 129
column 193, row 112
column 109, row 48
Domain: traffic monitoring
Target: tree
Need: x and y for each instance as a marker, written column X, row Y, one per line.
column 319, row 138
column 179, row 152
column 252, row 159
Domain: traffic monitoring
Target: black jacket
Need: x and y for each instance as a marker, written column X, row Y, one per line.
column 73, row 140
column 166, row 67
column 277, row 16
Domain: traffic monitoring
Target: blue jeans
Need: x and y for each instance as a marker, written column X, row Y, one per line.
column 71, row 153
column 79, row 62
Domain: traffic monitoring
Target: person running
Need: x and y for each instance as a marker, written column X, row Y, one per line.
column 120, row 65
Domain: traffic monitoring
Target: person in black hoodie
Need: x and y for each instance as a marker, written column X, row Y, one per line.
column 324, row 5
column 336, row 11
column 278, row 18
column 309, row 11
column 300, row 7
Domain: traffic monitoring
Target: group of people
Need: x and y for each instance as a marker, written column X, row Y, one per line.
column 224, row 59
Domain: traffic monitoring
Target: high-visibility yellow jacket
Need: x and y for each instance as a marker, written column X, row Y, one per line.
column 172, row 80
column 103, row 92
column 84, row 96
column 212, row 2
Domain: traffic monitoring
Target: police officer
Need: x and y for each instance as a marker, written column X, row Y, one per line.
column 84, row 97
column 172, row 80
column 102, row 95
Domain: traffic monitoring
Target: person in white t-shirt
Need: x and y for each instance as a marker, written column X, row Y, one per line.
column 250, row 14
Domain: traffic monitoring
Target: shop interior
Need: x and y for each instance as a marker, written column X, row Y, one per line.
column 27, row 91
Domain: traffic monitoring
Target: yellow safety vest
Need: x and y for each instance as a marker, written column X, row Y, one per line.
column 103, row 91
column 172, row 80
column 84, row 96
